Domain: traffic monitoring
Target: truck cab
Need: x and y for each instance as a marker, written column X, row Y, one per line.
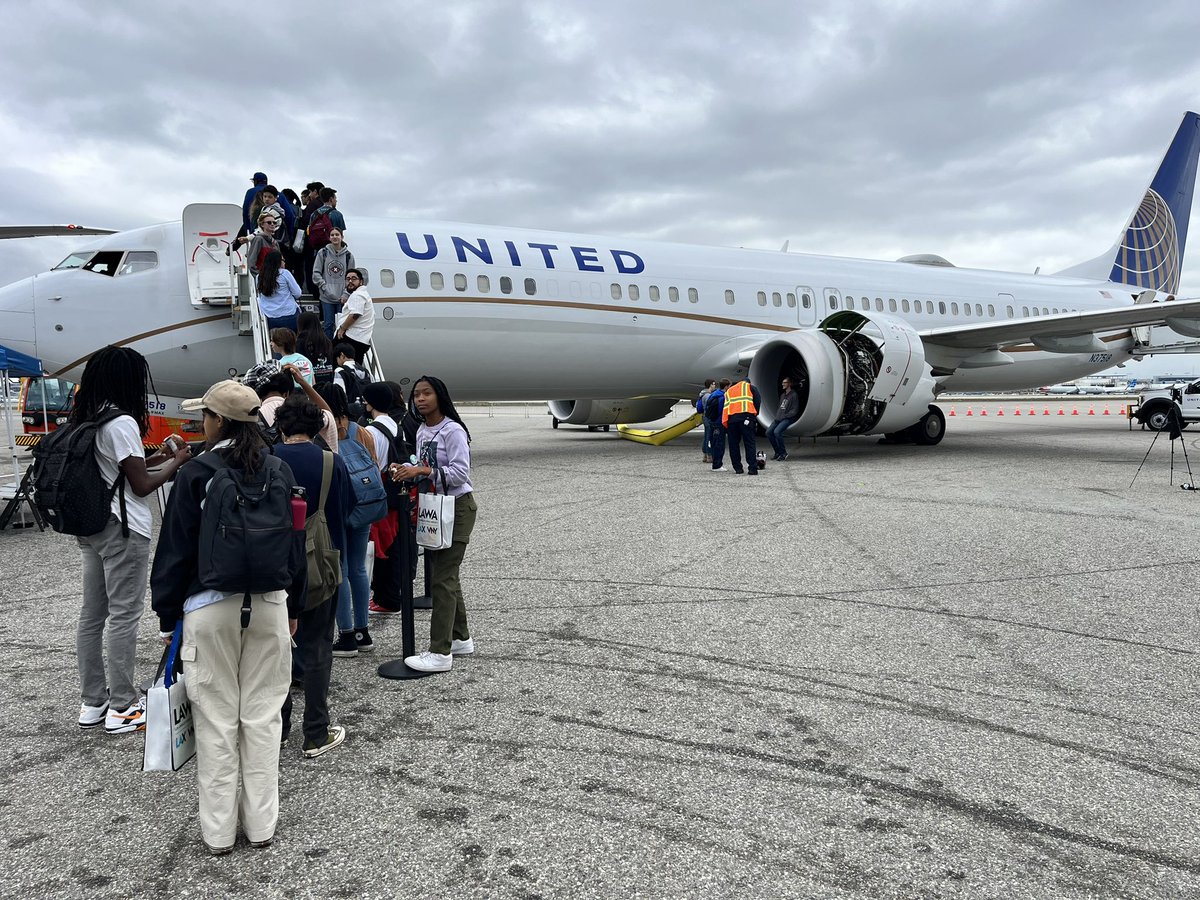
column 1155, row 410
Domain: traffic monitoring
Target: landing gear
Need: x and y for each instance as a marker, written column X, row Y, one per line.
column 554, row 421
column 930, row 430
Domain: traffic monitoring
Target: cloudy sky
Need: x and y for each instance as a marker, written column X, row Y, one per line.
column 999, row 134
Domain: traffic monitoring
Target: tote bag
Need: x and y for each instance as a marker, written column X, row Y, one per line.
column 435, row 519
column 170, row 730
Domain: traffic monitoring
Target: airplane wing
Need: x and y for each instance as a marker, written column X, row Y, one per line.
column 8, row 232
column 1066, row 332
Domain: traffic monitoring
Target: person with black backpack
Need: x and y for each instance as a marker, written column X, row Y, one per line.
column 351, row 376
column 713, row 412
column 230, row 562
column 90, row 479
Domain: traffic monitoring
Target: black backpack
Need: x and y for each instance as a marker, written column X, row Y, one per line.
column 354, row 384
column 398, row 453
column 713, row 406
column 247, row 542
column 69, row 490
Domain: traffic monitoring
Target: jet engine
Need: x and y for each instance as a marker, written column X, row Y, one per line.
column 854, row 374
column 602, row 413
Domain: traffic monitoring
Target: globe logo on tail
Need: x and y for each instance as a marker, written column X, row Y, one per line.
column 1149, row 255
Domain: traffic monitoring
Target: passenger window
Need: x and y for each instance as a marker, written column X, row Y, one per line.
column 576, row 289
column 635, row 293
column 412, row 279
column 1045, row 312
column 891, row 304
column 849, row 303
column 484, row 284
column 615, row 290
column 942, row 307
column 654, row 294
column 505, row 284
column 460, row 282
column 954, row 308
column 530, row 286
column 978, row 309
column 776, row 299
column 761, row 296
column 1055, row 311
column 991, row 310
column 104, row 263
column 791, row 300
column 1010, row 312
column 139, row 261
column 673, row 294
column 436, row 281
column 729, row 297
column 1025, row 311
column 904, row 305
column 806, row 301
column 879, row 304
column 916, row 306
column 966, row 309
column 387, row 278
column 833, row 303
column 693, row 295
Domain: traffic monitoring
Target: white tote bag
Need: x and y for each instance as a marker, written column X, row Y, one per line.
column 435, row 521
column 170, row 730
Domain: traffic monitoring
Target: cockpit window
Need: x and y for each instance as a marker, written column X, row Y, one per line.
column 138, row 261
column 105, row 262
column 74, row 261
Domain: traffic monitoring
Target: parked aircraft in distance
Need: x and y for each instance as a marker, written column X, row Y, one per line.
column 625, row 328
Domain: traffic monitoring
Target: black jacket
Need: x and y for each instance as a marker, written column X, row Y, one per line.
column 175, row 574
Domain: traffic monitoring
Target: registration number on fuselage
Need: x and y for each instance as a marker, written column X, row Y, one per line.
column 1101, row 357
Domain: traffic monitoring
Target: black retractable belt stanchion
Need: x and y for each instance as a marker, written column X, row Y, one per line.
column 396, row 669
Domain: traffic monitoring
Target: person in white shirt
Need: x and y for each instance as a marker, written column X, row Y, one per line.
column 356, row 324
column 116, row 560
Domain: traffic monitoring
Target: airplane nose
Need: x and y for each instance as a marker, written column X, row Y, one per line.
column 16, row 316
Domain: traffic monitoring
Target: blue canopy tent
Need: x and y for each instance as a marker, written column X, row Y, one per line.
column 14, row 364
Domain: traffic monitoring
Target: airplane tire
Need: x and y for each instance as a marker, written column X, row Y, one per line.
column 931, row 429
column 606, row 427
column 553, row 421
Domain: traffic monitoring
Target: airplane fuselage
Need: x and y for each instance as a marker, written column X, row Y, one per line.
column 507, row 313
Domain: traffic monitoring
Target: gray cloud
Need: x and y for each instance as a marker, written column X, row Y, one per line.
column 1001, row 134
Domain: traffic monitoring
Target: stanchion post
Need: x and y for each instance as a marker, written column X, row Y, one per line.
column 396, row 669
column 425, row 600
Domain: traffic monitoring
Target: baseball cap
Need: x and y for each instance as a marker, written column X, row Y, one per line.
column 257, row 376
column 228, row 399
column 259, row 176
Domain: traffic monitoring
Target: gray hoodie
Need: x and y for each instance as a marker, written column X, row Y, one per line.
column 329, row 272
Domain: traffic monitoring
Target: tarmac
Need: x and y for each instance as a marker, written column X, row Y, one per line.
column 880, row 671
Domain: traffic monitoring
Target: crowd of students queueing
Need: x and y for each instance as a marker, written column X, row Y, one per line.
column 238, row 677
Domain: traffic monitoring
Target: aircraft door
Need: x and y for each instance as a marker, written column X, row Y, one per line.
column 213, row 271
column 806, row 305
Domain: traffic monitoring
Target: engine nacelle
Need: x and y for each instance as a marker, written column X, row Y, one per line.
column 610, row 412
column 855, row 374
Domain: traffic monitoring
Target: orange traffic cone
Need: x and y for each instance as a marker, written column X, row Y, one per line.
column 1018, row 411
column 1075, row 411
column 1092, row 410
column 983, row 410
column 1106, row 412
column 1061, row 411
column 1000, row 411
column 952, row 412
column 969, row 413
column 1032, row 412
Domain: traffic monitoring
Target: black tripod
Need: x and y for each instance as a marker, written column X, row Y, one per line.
column 1174, row 429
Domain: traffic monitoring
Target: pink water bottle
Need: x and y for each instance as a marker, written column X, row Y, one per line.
column 299, row 507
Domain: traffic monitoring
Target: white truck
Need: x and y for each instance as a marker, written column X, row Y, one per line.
column 1155, row 409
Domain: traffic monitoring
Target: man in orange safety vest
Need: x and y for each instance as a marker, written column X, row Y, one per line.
column 740, row 418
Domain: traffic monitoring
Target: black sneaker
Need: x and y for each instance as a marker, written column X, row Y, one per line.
column 345, row 645
column 362, row 638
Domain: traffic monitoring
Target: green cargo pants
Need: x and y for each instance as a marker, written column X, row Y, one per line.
column 449, row 618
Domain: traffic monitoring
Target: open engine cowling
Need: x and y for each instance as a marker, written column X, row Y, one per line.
column 610, row 412
column 854, row 374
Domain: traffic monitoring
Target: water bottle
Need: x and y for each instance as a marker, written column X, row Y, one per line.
column 299, row 507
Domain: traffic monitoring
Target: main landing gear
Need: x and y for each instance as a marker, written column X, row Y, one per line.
column 928, row 431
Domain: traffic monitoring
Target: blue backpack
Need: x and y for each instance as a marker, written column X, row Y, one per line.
column 370, row 497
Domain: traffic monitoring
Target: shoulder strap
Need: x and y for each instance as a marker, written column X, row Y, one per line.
column 326, row 478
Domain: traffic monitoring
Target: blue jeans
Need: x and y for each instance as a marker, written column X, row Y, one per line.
column 355, row 591
column 282, row 322
column 775, row 434
column 329, row 313
column 706, row 444
column 718, row 445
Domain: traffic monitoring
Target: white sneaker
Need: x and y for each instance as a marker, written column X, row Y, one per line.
column 430, row 662
column 125, row 720
column 721, row 469
column 462, row 648
column 91, row 716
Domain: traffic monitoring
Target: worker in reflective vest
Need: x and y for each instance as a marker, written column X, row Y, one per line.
column 740, row 417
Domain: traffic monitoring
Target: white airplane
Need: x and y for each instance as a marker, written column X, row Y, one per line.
column 628, row 327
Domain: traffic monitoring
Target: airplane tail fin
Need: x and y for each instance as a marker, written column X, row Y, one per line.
column 1149, row 251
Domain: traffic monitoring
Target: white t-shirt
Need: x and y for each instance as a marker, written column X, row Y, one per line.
column 359, row 302
column 380, row 442
column 116, row 442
